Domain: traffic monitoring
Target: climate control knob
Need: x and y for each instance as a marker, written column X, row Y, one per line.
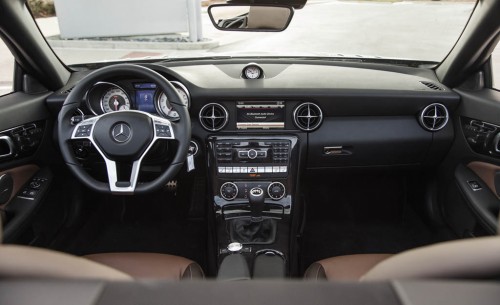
column 229, row 191
column 276, row 190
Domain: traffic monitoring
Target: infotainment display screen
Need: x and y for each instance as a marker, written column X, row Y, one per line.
column 260, row 115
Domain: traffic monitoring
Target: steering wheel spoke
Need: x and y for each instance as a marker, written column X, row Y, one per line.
column 119, row 186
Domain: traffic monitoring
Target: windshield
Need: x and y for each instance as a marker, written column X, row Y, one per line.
column 95, row 31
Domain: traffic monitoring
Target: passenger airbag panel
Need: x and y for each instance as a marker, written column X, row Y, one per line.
column 368, row 141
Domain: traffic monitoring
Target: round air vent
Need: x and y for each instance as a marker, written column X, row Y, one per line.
column 307, row 116
column 434, row 117
column 213, row 117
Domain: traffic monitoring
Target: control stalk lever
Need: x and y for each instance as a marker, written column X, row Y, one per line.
column 256, row 200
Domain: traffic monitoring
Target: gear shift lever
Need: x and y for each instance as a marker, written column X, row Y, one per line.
column 256, row 199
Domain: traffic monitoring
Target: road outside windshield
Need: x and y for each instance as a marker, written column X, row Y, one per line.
column 415, row 30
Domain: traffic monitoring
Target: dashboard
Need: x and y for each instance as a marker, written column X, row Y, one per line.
column 345, row 114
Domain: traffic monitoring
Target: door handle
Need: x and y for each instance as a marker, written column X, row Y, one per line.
column 7, row 148
column 337, row 150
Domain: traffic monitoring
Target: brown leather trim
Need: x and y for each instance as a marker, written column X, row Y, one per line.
column 485, row 171
column 20, row 175
column 149, row 265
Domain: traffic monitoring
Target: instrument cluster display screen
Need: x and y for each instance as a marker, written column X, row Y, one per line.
column 144, row 97
column 260, row 115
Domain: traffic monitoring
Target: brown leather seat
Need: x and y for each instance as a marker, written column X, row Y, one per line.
column 476, row 258
column 150, row 265
column 31, row 262
column 347, row 267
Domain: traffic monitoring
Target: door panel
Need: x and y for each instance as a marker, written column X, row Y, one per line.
column 468, row 176
column 25, row 148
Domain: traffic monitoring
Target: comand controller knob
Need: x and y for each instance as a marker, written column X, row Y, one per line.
column 276, row 190
column 252, row 154
column 229, row 191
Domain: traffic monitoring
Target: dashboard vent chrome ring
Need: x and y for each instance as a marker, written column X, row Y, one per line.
column 434, row 117
column 307, row 116
column 213, row 117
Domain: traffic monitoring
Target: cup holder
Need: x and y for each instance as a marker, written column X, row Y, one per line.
column 269, row 264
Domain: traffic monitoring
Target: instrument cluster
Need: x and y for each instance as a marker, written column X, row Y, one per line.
column 145, row 96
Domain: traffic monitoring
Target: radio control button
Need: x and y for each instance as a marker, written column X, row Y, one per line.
column 261, row 154
column 243, row 154
column 261, row 169
column 222, row 170
column 236, row 170
column 269, row 169
column 252, row 170
column 283, row 169
column 276, row 169
column 229, row 170
column 244, row 170
column 252, row 154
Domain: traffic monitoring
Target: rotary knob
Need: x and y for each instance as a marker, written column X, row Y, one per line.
column 276, row 190
column 252, row 154
column 229, row 191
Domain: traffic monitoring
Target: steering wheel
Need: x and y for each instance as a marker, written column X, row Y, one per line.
column 123, row 137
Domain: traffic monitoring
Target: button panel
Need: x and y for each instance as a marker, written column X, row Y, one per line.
column 25, row 138
column 163, row 131
column 31, row 190
column 265, row 158
column 257, row 152
column 474, row 185
column 251, row 169
column 83, row 131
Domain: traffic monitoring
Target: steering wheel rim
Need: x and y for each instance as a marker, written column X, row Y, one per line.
column 179, row 130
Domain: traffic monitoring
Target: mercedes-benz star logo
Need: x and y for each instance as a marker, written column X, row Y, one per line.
column 121, row 132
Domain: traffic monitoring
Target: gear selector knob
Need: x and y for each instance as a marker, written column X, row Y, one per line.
column 256, row 200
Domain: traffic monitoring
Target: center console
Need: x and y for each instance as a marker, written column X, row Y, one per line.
column 253, row 186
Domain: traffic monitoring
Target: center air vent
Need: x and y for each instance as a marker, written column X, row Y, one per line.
column 307, row 116
column 213, row 117
column 434, row 117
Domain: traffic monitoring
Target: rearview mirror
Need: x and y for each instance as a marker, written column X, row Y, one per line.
column 255, row 18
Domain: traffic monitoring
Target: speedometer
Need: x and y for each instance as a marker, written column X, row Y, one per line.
column 164, row 106
column 115, row 99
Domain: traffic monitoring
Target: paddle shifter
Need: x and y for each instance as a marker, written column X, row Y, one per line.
column 256, row 200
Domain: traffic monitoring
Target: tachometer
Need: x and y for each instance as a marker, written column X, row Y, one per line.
column 115, row 99
column 163, row 103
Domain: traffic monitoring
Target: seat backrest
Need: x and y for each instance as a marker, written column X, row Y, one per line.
column 31, row 262
column 475, row 258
